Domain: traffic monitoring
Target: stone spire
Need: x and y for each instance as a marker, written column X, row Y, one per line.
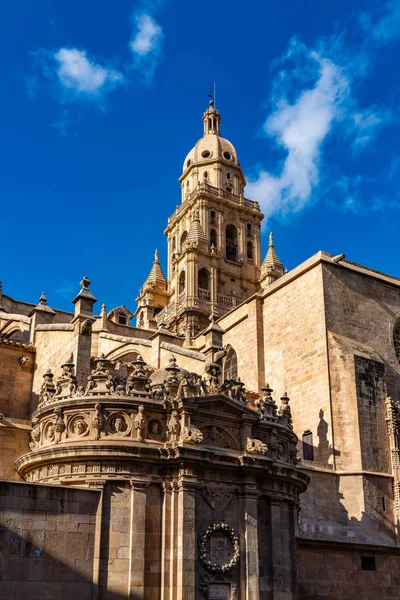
column 272, row 267
column 196, row 233
column 156, row 276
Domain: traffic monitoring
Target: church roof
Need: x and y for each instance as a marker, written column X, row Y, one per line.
column 271, row 260
column 156, row 276
column 196, row 233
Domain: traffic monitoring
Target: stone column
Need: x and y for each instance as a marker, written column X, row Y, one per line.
column 213, row 284
column 249, row 575
column 283, row 549
column 136, row 588
column 186, row 541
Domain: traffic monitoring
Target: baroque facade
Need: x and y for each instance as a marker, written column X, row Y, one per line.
column 155, row 461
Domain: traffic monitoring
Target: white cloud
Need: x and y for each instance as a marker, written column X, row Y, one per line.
column 148, row 36
column 83, row 76
column 146, row 45
column 300, row 128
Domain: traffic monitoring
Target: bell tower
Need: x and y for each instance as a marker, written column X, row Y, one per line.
column 214, row 254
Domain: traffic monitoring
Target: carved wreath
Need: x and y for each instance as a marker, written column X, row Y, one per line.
column 204, row 542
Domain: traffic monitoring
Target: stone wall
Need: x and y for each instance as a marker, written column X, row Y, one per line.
column 335, row 571
column 347, row 507
column 47, row 542
column 244, row 332
column 16, row 380
column 364, row 309
column 14, row 442
column 295, row 355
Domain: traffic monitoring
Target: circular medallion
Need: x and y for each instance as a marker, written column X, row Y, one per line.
column 155, row 429
column 219, row 548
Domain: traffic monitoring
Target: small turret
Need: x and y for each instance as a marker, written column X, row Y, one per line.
column 211, row 120
column 272, row 267
column 152, row 297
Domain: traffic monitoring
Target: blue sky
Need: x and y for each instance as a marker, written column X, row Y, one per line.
column 102, row 101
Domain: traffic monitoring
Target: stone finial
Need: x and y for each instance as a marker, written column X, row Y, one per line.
column 171, row 366
column 285, row 413
column 43, row 299
column 138, row 382
column 84, row 300
column 85, row 282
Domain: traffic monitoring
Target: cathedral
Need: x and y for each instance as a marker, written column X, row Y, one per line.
column 236, row 437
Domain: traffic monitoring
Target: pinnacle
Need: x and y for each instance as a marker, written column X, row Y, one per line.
column 271, row 259
column 156, row 275
column 196, row 233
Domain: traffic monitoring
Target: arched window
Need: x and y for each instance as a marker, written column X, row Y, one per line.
column 122, row 319
column 249, row 229
column 213, row 238
column 213, row 217
column 183, row 240
column 308, row 448
column 203, row 279
column 182, row 280
column 231, row 242
column 173, row 244
column 396, row 339
column 250, row 250
column 230, row 364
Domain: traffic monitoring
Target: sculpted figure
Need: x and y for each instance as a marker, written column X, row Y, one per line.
column 139, row 423
column 119, row 424
column 98, row 420
column 254, row 446
column 35, row 434
column 59, row 426
column 185, row 388
column 90, row 385
column 214, row 372
column 191, row 435
column 173, row 427
column 79, row 427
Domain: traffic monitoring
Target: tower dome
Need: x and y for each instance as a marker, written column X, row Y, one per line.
column 211, row 146
column 210, row 154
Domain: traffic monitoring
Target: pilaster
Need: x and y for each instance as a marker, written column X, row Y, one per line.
column 186, row 540
column 136, row 580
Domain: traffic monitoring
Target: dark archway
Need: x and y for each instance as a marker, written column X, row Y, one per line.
column 231, row 242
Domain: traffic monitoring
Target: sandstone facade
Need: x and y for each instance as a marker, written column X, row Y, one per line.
column 179, row 430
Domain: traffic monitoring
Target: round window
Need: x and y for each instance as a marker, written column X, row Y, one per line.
column 227, row 155
column 206, row 154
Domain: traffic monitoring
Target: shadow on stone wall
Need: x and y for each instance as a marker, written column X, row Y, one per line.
column 29, row 571
column 343, row 508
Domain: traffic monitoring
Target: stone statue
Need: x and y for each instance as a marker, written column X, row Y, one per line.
column 35, row 434
column 254, row 446
column 139, row 423
column 59, row 426
column 98, row 421
column 47, row 390
column 191, row 435
column 173, row 427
